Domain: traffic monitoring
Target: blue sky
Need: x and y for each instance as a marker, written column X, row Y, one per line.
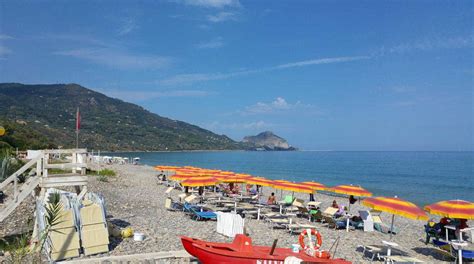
column 326, row 75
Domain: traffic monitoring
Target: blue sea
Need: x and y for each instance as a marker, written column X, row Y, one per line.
column 420, row 177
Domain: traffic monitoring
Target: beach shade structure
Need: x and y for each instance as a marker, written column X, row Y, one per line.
column 234, row 178
column 395, row 206
column 350, row 190
column 200, row 181
column 181, row 176
column 458, row 209
column 293, row 187
column 259, row 181
column 315, row 185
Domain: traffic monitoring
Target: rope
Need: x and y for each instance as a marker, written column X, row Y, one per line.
column 336, row 244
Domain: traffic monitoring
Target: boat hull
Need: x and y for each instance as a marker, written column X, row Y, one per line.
column 241, row 251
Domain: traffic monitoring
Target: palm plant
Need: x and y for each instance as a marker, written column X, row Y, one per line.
column 19, row 249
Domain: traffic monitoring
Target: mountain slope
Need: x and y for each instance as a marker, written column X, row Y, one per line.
column 268, row 141
column 107, row 123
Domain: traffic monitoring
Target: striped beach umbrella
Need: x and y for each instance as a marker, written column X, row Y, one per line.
column 350, row 190
column 293, row 187
column 181, row 176
column 235, row 178
column 459, row 209
column 315, row 185
column 259, row 181
column 395, row 206
column 199, row 181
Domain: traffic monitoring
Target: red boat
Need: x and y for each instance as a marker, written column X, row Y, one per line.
column 241, row 250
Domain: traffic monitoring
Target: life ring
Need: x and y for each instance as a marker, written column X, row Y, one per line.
column 308, row 233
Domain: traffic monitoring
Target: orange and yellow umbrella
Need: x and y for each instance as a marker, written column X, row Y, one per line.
column 315, row 185
column 459, row 209
column 199, row 181
column 181, row 177
column 395, row 206
column 350, row 190
column 259, row 181
column 236, row 178
column 288, row 186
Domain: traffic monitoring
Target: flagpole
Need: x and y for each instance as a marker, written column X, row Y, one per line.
column 78, row 124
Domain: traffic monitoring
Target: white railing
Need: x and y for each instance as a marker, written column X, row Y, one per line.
column 42, row 166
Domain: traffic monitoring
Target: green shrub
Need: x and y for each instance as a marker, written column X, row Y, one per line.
column 107, row 172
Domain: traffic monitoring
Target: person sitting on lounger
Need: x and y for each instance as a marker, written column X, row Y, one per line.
column 271, row 199
column 432, row 229
column 341, row 211
column 335, row 205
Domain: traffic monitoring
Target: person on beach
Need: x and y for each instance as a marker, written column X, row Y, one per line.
column 352, row 199
column 335, row 205
column 311, row 197
column 432, row 229
column 271, row 199
column 248, row 187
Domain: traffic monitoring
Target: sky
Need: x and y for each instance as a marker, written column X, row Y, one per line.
column 325, row 75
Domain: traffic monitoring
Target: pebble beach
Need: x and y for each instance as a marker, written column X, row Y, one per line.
column 135, row 198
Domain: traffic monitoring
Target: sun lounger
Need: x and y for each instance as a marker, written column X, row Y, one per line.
column 328, row 217
column 173, row 206
column 190, row 198
column 182, row 196
column 373, row 250
column 287, row 201
column 196, row 214
column 382, row 227
column 279, row 222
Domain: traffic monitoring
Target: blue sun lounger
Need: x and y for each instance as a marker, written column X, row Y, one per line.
column 197, row 215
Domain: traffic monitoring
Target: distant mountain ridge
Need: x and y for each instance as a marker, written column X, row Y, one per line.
column 44, row 116
column 268, row 141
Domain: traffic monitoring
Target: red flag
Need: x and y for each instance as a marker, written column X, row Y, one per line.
column 78, row 120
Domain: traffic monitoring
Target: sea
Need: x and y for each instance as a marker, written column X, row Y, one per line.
column 420, row 177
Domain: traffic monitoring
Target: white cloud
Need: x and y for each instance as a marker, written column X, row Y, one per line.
column 116, row 58
column 149, row 95
column 321, row 61
column 252, row 125
column 4, row 51
column 428, row 44
column 222, row 16
column 128, row 25
column 212, row 44
column 277, row 105
column 213, row 3
column 5, row 37
column 202, row 77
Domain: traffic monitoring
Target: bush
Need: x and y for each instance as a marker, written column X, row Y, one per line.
column 107, row 172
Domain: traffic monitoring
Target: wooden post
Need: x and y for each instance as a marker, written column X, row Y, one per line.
column 15, row 187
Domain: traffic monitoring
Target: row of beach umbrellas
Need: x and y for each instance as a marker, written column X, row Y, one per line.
column 197, row 177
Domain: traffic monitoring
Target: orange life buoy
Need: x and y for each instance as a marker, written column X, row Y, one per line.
column 314, row 233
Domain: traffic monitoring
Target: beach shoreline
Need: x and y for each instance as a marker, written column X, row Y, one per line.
column 134, row 198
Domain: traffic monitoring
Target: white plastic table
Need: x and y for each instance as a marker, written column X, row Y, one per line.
column 458, row 245
column 389, row 245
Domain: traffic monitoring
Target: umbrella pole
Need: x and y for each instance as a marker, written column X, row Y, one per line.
column 391, row 226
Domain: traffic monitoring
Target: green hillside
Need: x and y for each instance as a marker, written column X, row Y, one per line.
column 38, row 116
